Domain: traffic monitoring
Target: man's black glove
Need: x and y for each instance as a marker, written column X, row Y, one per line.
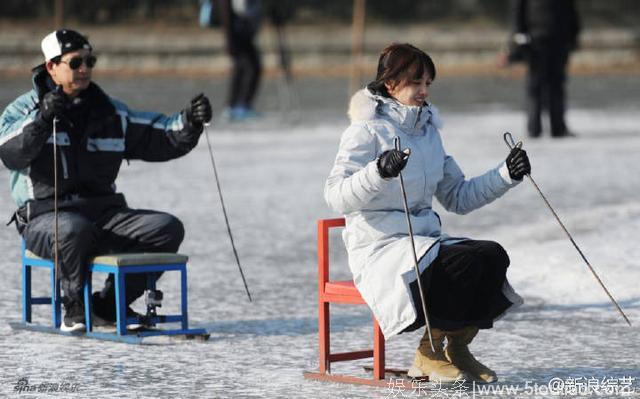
column 518, row 163
column 391, row 162
column 52, row 105
column 199, row 111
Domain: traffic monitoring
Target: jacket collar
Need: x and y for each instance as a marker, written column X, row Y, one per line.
column 41, row 80
column 366, row 105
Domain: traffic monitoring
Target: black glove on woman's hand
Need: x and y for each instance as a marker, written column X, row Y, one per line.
column 52, row 105
column 518, row 164
column 391, row 162
column 199, row 111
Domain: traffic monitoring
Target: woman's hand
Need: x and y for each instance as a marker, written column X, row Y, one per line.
column 518, row 164
column 391, row 162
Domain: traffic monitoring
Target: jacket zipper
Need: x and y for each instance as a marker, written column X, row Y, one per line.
column 65, row 168
column 424, row 173
column 418, row 118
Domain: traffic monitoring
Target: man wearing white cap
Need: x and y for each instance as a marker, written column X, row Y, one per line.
column 94, row 133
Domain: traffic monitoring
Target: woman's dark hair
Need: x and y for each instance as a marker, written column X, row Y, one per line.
column 399, row 63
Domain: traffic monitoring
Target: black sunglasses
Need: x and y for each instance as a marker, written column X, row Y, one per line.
column 75, row 62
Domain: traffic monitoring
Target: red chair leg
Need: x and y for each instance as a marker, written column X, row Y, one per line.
column 323, row 335
column 378, row 352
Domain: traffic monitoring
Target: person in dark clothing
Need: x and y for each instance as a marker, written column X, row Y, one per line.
column 241, row 22
column 546, row 31
column 91, row 133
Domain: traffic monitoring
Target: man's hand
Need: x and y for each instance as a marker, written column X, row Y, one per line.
column 52, row 105
column 199, row 111
column 391, row 162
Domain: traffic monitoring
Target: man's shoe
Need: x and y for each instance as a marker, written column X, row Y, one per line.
column 73, row 320
column 104, row 309
column 132, row 313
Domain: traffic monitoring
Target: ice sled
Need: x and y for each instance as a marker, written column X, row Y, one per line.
column 119, row 265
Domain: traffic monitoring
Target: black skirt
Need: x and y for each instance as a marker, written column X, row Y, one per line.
column 463, row 286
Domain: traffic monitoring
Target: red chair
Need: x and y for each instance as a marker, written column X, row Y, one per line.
column 341, row 292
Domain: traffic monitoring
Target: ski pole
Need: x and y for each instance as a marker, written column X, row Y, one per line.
column 56, row 263
column 413, row 250
column 508, row 138
column 224, row 209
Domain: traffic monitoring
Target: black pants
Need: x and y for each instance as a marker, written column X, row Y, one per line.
column 463, row 286
column 546, row 86
column 247, row 68
column 118, row 230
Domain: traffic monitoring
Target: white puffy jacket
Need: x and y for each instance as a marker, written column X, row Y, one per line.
column 376, row 233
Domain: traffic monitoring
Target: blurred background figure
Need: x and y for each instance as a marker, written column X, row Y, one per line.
column 544, row 34
column 240, row 20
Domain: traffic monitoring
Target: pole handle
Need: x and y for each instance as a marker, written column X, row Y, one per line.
column 508, row 139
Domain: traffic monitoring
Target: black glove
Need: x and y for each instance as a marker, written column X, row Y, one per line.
column 199, row 111
column 391, row 162
column 52, row 105
column 518, row 164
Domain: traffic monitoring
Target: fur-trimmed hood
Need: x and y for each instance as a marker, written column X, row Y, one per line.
column 366, row 106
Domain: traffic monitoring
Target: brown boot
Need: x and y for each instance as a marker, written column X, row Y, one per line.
column 434, row 364
column 457, row 351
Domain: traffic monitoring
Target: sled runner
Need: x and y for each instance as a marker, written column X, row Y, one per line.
column 399, row 373
column 137, row 336
column 119, row 265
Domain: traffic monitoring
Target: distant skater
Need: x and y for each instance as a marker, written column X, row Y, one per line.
column 547, row 32
column 241, row 22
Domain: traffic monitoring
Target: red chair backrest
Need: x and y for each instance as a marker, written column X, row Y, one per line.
column 323, row 248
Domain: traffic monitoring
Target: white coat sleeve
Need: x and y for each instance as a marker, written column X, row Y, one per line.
column 354, row 179
column 462, row 196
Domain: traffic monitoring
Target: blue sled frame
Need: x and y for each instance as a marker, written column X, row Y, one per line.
column 122, row 334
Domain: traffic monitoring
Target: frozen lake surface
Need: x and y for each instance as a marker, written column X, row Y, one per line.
column 272, row 175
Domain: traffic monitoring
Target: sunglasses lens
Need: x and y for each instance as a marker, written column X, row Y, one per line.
column 75, row 62
column 90, row 61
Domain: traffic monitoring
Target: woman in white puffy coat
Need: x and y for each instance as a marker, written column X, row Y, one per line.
column 464, row 280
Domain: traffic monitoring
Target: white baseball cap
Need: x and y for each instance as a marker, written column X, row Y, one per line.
column 63, row 41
